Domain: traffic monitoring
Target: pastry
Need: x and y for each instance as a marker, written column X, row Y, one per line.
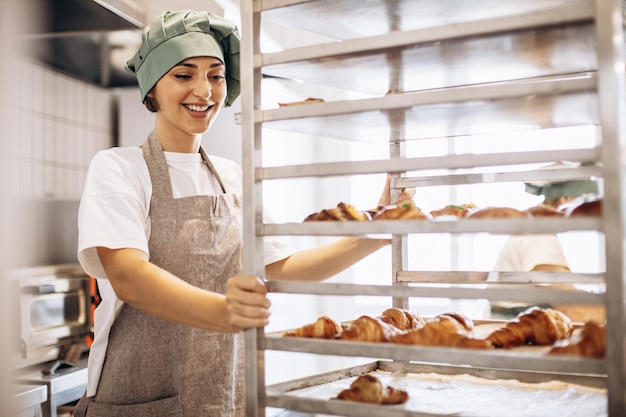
column 402, row 319
column 497, row 212
column 342, row 212
column 352, row 213
column 588, row 341
column 309, row 100
column 544, row 211
column 369, row 329
column 449, row 330
column 587, row 208
column 405, row 210
column 535, row 326
column 323, row 328
column 369, row 389
column 453, row 210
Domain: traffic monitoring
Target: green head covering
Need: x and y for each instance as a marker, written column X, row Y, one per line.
column 552, row 190
column 176, row 36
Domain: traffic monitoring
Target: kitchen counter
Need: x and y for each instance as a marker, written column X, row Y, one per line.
column 26, row 400
column 64, row 386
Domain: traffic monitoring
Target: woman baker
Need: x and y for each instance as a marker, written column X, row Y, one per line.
column 160, row 229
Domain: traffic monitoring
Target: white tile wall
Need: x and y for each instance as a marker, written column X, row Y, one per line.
column 62, row 123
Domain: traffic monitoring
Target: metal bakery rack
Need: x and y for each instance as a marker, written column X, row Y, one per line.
column 420, row 66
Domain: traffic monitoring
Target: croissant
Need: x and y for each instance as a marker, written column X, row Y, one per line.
column 534, row 326
column 369, row 389
column 450, row 330
column 586, row 208
column 342, row 212
column 497, row 212
column 542, row 210
column 590, row 342
column 402, row 319
column 369, row 329
column 323, row 328
column 453, row 210
column 406, row 210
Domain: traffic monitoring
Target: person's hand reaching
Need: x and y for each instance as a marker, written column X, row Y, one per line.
column 385, row 197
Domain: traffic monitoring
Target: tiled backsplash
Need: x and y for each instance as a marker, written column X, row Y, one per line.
column 62, row 123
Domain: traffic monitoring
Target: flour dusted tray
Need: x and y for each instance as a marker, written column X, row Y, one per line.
column 446, row 391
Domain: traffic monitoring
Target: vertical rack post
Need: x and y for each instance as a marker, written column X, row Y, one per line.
column 253, row 264
column 612, row 115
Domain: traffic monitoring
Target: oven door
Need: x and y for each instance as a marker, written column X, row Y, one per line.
column 53, row 307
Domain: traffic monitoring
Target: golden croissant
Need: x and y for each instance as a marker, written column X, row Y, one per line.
column 323, row 328
column 449, row 330
column 402, row 319
column 534, row 326
column 369, row 329
column 369, row 389
column 590, row 342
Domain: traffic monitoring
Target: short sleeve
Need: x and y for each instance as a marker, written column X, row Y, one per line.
column 113, row 210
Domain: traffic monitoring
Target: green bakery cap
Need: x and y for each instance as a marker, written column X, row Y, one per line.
column 176, row 36
column 574, row 188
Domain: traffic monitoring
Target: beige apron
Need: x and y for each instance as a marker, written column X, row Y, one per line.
column 157, row 368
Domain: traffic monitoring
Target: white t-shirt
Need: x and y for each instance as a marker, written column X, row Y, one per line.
column 114, row 213
column 521, row 253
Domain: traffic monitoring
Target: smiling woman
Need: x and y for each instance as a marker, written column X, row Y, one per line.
column 160, row 227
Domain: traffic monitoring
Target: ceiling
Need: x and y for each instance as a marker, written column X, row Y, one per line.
column 84, row 38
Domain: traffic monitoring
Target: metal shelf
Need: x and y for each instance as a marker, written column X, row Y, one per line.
column 426, row 163
column 442, row 70
column 506, row 359
column 489, row 291
column 560, row 101
column 350, row 19
column 441, row 57
column 404, row 227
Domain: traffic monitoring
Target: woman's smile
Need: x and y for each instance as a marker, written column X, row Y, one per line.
column 197, row 108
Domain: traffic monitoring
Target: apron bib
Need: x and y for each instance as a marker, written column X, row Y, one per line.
column 154, row 367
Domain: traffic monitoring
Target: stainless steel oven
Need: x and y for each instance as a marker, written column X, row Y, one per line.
column 53, row 309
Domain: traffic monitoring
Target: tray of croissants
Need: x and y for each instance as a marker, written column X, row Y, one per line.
column 386, row 393
column 548, row 328
column 545, row 328
column 408, row 210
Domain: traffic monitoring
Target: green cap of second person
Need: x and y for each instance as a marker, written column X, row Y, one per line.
column 176, row 36
column 573, row 188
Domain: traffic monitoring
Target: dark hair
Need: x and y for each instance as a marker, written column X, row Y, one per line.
column 151, row 104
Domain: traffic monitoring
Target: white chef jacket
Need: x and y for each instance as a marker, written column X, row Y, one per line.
column 114, row 213
column 521, row 253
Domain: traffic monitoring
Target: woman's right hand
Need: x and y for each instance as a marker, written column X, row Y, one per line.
column 247, row 305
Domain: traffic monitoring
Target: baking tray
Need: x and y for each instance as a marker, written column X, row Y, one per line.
column 441, row 391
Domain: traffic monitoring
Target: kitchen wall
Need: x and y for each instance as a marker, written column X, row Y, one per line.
column 60, row 123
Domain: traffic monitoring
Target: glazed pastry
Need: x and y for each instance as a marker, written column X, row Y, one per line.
column 406, row 210
column 323, row 328
column 342, row 212
column 369, row 329
column 369, row 389
column 589, row 342
column 402, row 319
column 310, row 100
column 497, row 212
column 587, row 208
column 544, row 211
column 453, row 210
column 449, row 330
column 352, row 213
column 534, row 326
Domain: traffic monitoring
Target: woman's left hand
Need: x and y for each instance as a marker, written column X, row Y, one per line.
column 385, row 197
